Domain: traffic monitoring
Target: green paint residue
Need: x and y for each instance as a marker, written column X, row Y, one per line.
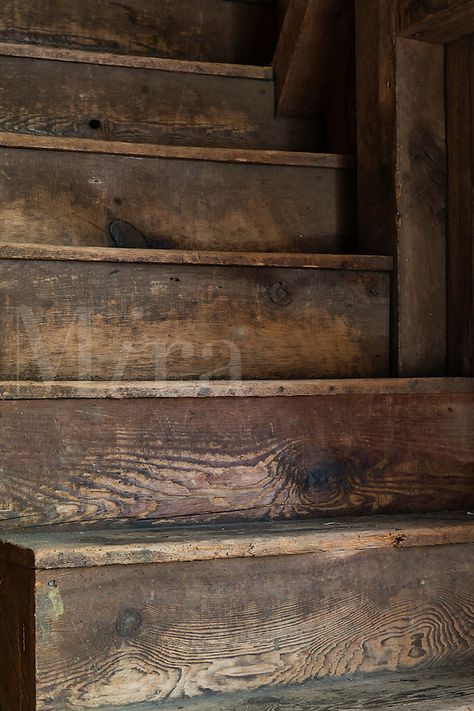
column 56, row 601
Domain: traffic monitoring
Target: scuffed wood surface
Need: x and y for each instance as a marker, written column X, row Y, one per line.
column 220, row 200
column 145, row 106
column 87, row 549
column 100, row 321
column 188, row 460
column 125, row 634
column 185, row 29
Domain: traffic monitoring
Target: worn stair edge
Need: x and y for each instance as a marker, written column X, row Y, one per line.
column 425, row 690
column 57, row 54
column 55, row 390
column 211, row 154
column 84, row 549
column 346, row 262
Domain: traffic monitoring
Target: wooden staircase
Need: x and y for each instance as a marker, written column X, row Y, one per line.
column 212, row 493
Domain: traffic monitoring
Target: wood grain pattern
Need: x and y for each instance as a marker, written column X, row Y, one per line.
column 125, row 634
column 186, row 29
column 100, row 321
column 402, row 180
column 436, row 20
column 416, row 690
column 145, row 106
column 175, row 203
column 460, row 120
column 185, row 460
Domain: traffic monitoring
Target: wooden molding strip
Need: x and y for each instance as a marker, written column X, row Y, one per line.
column 211, row 154
column 28, row 390
column 31, row 51
column 132, row 547
column 438, row 21
column 175, row 256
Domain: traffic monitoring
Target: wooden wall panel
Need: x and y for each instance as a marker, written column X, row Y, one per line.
column 111, row 321
column 436, row 20
column 106, row 462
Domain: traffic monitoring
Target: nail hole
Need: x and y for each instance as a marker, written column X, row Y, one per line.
column 95, row 124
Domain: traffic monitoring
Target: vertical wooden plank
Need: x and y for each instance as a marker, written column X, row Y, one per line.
column 402, row 162
column 460, row 135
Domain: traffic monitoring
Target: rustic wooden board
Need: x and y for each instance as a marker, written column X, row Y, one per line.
column 102, row 321
column 179, row 203
column 183, row 459
column 411, row 691
column 207, row 30
column 460, row 120
column 119, row 634
column 402, row 179
column 86, row 100
column 436, row 20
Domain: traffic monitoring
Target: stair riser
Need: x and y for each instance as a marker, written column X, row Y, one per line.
column 202, row 30
column 183, row 460
column 179, row 204
column 125, row 634
column 145, row 106
column 110, row 321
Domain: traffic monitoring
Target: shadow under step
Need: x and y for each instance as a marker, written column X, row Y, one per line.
column 131, row 314
column 88, row 455
column 69, row 191
column 202, row 30
column 62, row 92
column 122, row 618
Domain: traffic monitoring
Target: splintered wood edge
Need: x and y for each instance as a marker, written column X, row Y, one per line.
column 88, row 549
column 342, row 262
column 29, row 390
column 142, row 150
column 78, row 56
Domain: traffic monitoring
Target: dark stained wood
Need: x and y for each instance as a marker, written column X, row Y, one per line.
column 402, row 183
column 113, row 321
column 460, row 128
column 346, row 262
column 436, row 20
column 71, row 198
column 30, row 390
column 146, row 106
column 122, row 634
column 411, row 691
column 103, row 462
column 206, row 30
column 17, row 637
column 308, row 49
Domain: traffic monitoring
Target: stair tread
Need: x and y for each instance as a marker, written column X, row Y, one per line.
column 252, row 156
column 427, row 690
column 48, row 550
column 31, row 51
column 354, row 262
column 41, row 390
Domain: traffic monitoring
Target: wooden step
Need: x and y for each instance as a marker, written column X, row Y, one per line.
column 429, row 690
column 70, row 191
column 202, row 30
column 116, row 619
column 62, row 92
column 102, row 314
column 104, row 454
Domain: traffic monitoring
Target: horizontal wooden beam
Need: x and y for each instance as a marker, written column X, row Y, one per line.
column 437, row 21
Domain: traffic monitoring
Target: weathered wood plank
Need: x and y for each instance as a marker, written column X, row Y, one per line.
column 402, row 183
column 96, row 101
column 411, row 691
column 111, row 461
column 186, row 29
column 224, row 626
column 436, row 20
column 101, row 321
column 460, row 120
column 179, row 203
